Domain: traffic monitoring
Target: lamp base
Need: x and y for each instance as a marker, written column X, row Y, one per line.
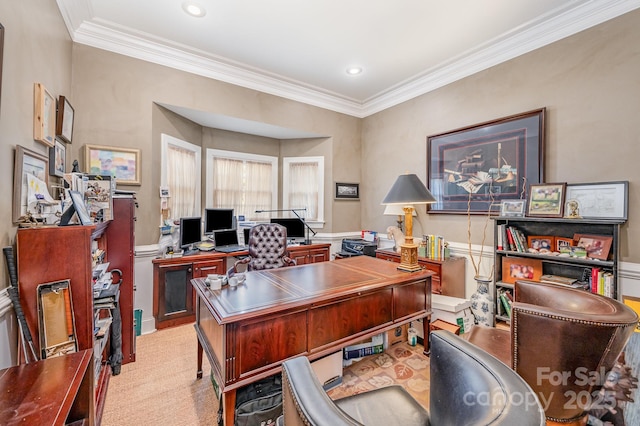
column 409, row 258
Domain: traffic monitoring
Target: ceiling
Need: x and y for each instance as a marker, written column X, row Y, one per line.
column 300, row 49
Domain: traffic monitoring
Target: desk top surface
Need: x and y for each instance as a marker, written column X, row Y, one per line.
column 285, row 288
column 42, row 392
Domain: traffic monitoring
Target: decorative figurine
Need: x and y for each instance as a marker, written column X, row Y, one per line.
column 76, row 168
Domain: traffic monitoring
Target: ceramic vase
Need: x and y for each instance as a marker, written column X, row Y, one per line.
column 482, row 303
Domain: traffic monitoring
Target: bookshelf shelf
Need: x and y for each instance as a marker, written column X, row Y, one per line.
column 578, row 269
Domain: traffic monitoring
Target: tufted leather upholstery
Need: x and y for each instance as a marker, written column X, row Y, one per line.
column 463, row 379
column 560, row 330
column 267, row 247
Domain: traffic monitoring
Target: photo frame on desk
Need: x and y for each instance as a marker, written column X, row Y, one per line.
column 78, row 207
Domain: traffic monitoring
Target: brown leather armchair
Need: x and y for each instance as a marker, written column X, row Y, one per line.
column 267, row 248
column 468, row 386
column 562, row 341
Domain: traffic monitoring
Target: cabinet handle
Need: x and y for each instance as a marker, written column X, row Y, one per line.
column 189, row 270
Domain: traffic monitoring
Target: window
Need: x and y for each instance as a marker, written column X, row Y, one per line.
column 181, row 165
column 243, row 182
column 303, row 186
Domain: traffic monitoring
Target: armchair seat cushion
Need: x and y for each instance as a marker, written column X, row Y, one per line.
column 391, row 405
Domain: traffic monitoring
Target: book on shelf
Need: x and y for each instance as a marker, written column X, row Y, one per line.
column 506, row 303
column 557, row 279
column 359, row 353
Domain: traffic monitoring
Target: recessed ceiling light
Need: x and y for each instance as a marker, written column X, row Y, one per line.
column 354, row 70
column 194, row 9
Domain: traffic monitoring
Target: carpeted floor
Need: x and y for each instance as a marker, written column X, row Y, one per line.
column 161, row 386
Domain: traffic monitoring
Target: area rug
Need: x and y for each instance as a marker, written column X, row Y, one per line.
column 400, row 364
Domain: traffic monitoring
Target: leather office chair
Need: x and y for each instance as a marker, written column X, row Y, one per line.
column 560, row 330
column 468, row 386
column 267, row 247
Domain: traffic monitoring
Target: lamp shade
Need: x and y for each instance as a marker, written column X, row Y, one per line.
column 408, row 189
column 395, row 210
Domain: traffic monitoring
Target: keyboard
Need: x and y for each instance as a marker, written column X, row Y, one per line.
column 231, row 248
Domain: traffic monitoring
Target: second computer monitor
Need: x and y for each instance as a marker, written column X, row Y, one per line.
column 295, row 227
column 217, row 220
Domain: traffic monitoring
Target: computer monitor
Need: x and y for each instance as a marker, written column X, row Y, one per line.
column 217, row 220
column 190, row 232
column 295, row 227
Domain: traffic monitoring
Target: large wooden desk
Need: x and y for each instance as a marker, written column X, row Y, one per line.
column 53, row 391
column 311, row 310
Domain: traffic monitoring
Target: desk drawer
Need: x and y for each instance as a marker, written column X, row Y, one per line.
column 333, row 322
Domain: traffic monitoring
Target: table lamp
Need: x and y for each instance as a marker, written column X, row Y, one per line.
column 396, row 210
column 407, row 191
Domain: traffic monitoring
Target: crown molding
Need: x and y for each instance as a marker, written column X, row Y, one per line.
column 77, row 15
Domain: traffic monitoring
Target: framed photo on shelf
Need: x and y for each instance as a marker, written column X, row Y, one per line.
column 121, row 163
column 27, row 162
column 64, row 120
column 562, row 243
column 514, row 208
column 347, row 191
column 541, row 242
column 600, row 200
column 546, row 199
column 597, row 246
column 474, row 168
column 57, row 159
column 44, row 115
column 520, row 268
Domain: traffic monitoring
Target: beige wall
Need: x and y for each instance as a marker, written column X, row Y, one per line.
column 114, row 97
column 589, row 84
column 37, row 48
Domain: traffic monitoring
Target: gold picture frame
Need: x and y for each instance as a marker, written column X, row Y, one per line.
column 44, row 115
column 121, row 163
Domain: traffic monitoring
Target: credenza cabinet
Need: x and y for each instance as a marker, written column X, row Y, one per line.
column 449, row 274
column 173, row 296
column 306, row 254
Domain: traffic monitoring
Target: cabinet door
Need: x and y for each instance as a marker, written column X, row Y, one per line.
column 175, row 295
column 436, row 282
column 202, row 269
column 318, row 255
column 300, row 256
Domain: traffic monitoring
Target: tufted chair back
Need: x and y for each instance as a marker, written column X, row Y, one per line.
column 267, row 248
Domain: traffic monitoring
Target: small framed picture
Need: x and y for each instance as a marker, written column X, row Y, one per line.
column 64, row 120
column 515, row 268
column 57, row 154
column 541, row 242
column 563, row 243
column 596, row 246
column 512, row 208
column 347, row 191
column 44, row 115
column 546, row 199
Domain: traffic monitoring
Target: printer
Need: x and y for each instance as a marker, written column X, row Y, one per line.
column 358, row 247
